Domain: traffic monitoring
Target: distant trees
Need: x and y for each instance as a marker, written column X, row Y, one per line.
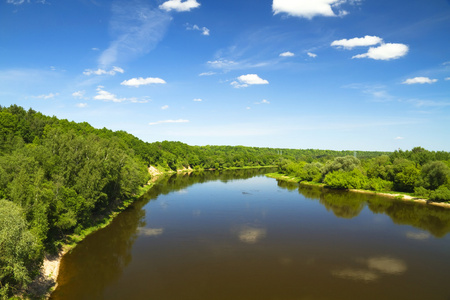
column 419, row 171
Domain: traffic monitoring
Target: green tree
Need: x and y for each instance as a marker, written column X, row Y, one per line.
column 434, row 174
column 20, row 251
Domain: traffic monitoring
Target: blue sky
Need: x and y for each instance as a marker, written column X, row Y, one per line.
column 323, row 74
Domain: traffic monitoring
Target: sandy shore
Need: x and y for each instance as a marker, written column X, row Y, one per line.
column 404, row 198
column 46, row 282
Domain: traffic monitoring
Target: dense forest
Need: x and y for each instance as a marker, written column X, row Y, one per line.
column 59, row 177
column 420, row 172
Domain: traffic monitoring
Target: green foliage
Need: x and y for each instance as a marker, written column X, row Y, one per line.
column 406, row 174
column 378, row 184
column 442, row 194
column 346, row 164
column 435, row 174
column 420, row 191
column 20, row 251
column 340, row 179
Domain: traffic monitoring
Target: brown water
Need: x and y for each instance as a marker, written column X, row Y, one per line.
column 240, row 235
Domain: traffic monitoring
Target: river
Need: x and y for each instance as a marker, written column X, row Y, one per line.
column 240, row 235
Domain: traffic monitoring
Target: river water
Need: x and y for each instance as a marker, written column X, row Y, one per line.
column 241, row 235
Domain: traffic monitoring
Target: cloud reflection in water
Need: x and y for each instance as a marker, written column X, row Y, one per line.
column 374, row 268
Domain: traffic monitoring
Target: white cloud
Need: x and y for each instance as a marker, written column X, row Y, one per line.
column 249, row 79
column 198, row 100
column 385, row 52
column 110, row 97
column 136, row 82
column 136, row 30
column 113, row 71
column 287, row 54
column 308, row 8
column 221, row 63
column 204, row 30
column 81, row 105
column 399, row 138
column 95, row 49
column 207, row 74
column 358, row 42
column 179, row 5
column 264, row 101
column 49, row 96
column 448, row 78
column 78, row 94
column 419, row 80
column 313, row 55
column 164, row 107
column 169, row 121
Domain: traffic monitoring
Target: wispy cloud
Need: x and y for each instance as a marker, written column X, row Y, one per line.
column 169, row 121
column 197, row 100
column 399, row 138
column 48, row 96
column 310, row 54
column 81, row 105
column 110, row 97
column 164, row 107
column 99, row 71
column 222, row 63
column 204, row 30
column 249, row 79
column 264, row 101
column 207, row 73
column 179, row 5
column 79, row 94
column 136, row 28
column 136, row 82
column 419, row 80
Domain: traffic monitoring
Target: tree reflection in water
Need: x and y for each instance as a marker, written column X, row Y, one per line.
column 345, row 204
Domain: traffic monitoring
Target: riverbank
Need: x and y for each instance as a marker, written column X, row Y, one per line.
column 394, row 195
column 46, row 282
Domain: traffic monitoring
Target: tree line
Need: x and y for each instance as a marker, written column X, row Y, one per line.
column 420, row 172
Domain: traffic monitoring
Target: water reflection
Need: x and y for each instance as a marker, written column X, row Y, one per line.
column 150, row 231
column 434, row 220
column 417, row 235
column 372, row 269
column 250, row 235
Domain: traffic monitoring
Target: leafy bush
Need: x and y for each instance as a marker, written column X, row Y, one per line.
column 346, row 180
column 379, row 185
column 442, row 194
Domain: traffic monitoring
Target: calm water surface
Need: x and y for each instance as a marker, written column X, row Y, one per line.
column 241, row 235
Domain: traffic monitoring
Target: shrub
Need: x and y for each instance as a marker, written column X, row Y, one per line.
column 442, row 194
column 379, row 185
